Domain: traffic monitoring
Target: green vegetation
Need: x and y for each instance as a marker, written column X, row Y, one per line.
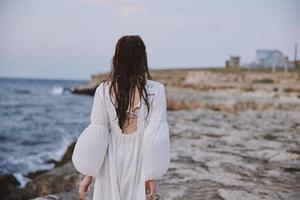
column 264, row 81
column 227, row 70
column 248, row 89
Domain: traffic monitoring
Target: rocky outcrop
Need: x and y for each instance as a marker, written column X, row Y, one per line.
column 217, row 90
column 170, row 77
column 89, row 87
column 231, row 138
column 210, row 80
column 62, row 178
column 216, row 156
column 7, row 184
column 230, row 100
column 249, row 155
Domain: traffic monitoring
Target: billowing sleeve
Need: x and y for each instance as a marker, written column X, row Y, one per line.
column 91, row 146
column 156, row 141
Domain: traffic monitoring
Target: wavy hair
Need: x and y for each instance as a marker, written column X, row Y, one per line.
column 129, row 70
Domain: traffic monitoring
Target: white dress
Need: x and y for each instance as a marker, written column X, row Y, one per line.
column 122, row 163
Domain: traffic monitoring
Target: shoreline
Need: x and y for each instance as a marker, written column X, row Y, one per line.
column 65, row 159
column 179, row 81
column 20, row 182
column 229, row 98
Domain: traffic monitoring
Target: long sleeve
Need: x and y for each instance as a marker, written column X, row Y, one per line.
column 156, row 142
column 91, row 146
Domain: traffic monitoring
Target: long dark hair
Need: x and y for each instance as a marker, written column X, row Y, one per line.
column 129, row 69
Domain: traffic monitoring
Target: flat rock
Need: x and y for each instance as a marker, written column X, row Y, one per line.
column 216, row 156
column 249, row 155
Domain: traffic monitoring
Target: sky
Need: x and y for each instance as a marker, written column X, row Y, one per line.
column 73, row 39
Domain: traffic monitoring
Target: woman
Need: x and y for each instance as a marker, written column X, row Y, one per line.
column 126, row 146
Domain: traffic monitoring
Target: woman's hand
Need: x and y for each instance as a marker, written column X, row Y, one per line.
column 84, row 186
column 149, row 187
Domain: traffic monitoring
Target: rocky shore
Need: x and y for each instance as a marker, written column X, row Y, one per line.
column 234, row 135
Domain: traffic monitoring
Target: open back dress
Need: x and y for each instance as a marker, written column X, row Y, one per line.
column 122, row 163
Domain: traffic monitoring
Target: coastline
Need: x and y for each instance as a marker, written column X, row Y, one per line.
column 231, row 98
column 10, row 184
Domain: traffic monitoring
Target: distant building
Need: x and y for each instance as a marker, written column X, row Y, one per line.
column 270, row 59
column 233, row 62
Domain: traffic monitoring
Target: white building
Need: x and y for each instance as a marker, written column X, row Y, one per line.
column 270, row 59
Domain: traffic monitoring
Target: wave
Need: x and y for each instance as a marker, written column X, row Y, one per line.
column 23, row 180
column 59, row 90
column 37, row 162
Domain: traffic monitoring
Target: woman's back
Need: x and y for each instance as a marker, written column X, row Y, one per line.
column 130, row 125
column 139, row 108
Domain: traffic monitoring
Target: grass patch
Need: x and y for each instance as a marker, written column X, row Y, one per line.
column 264, row 81
column 248, row 89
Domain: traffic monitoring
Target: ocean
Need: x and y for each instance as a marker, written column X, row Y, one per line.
column 39, row 119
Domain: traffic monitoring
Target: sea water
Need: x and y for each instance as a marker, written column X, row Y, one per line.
column 39, row 119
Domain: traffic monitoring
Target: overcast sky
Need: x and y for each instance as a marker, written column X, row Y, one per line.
column 72, row 39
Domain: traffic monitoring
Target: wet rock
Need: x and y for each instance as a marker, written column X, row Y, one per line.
column 61, row 179
column 7, row 182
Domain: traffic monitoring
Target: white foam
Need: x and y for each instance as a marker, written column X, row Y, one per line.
column 57, row 90
column 22, row 179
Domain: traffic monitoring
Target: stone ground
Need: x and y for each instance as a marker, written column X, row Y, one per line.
column 216, row 156
column 250, row 155
column 231, row 100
